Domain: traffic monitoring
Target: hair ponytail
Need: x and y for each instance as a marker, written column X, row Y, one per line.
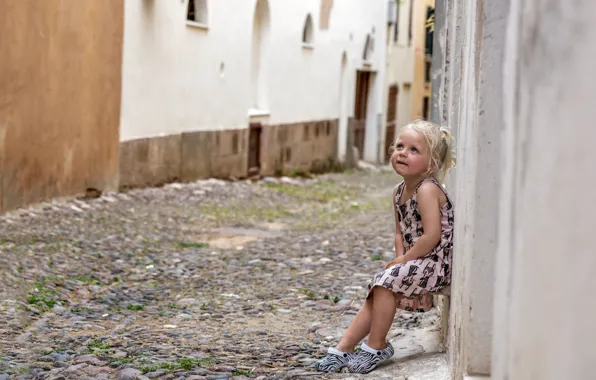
column 447, row 156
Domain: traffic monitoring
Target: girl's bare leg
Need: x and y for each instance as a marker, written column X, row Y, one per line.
column 383, row 312
column 359, row 328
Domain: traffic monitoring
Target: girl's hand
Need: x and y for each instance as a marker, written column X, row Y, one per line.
column 399, row 260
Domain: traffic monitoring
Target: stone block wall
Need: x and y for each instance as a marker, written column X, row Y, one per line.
column 183, row 157
column 306, row 146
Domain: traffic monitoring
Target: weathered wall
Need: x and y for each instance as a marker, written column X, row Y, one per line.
column 470, row 99
column 184, row 157
column 308, row 146
column 546, row 258
column 491, row 16
column 302, row 146
column 60, row 83
column 440, row 64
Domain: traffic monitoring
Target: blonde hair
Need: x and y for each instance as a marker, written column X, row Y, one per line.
column 440, row 146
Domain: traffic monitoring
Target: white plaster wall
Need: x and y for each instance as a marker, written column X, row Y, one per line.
column 477, row 33
column 400, row 65
column 400, row 54
column 171, row 79
column 545, row 277
column 171, row 71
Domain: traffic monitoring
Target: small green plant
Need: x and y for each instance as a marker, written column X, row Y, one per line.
column 192, row 244
column 323, row 191
column 21, row 370
column 121, row 361
column 237, row 212
column 185, row 364
column 135, row 307
column 42, row 297
column 309, row 294
column 91, row 280
column 98, row 345
column 81, row 310
column 240, row 372
column 375, row 257
column 294, row 173
column 335, row 299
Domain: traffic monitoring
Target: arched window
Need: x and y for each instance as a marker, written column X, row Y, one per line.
column 368, row 48
column 308, row 34
column 197, row 11
column 260, row 51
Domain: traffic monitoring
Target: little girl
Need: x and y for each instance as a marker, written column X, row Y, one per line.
column 423, row 245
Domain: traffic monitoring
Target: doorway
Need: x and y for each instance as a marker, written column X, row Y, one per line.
column 361, row 109
column 343, row 109
column 391, row 119
column 254, row 148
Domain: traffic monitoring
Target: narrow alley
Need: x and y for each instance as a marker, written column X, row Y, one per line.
column 205, row 280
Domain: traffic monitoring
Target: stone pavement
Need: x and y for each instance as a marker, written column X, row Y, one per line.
column 206, row 280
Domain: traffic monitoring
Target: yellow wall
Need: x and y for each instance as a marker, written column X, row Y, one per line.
column 60, row 85
column 420, row 89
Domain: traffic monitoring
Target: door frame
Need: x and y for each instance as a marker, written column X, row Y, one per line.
column 255, row 133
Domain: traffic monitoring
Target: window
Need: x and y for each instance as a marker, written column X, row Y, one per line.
column 368, row 47
column 325, row 14
column 428, row 30
column 197, row 12
column 426, row 108
column 308, row 32
column 427, row 70
column 235, row 143
column 396, row 26
column 410, row 23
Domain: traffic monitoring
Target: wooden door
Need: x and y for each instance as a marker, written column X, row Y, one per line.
column 360, row 109
column 254, row 149
column 391, row 119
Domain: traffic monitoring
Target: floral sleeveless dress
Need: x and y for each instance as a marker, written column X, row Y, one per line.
column 412, row 281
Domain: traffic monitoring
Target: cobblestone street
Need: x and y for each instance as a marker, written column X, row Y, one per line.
column 205, row 280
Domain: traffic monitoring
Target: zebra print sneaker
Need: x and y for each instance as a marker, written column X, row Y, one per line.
column 368, row 358
column 334, row 361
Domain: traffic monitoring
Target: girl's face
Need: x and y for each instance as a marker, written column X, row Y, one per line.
column 411, row 156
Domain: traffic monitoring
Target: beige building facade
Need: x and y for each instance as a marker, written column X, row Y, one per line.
column 408, row 74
